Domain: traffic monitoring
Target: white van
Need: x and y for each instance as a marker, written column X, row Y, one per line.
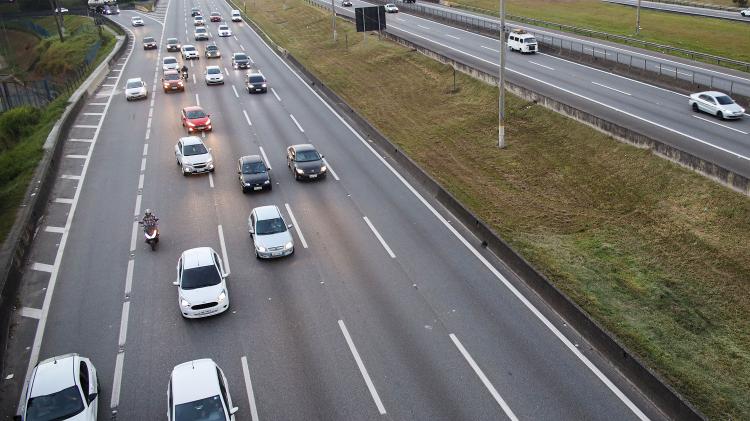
column 236, row 16
column 520, row 40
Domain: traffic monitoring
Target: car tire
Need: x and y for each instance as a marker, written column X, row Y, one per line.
column 257, row 256
column 270, row 187
column 720, row 115
column 695, row 108
column 185, row 174
column 212, row 170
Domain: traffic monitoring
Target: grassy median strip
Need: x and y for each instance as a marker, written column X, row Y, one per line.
column 719, row 37
column 657, row 253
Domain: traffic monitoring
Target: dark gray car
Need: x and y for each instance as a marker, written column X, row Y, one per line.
column 253, row 174
column 305, row 162
column 240, row 61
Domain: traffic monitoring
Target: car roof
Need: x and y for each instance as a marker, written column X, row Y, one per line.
column 304, row 147
column 53, row 375
column 712, row 93
column 213, row 67
column 237, row 54
column 267, row 212
column 223, row 25
column 148, row 37
column 191, row 140
column 188, row 45
column 173, row 58
column 251, row 158
column 135, row 79
column 171, row 72
column 215, row 14
column 197, row 257
column 194, row 380
column 172, row 40
column 193, row 108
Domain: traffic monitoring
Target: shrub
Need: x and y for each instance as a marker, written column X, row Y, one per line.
column 17, row 123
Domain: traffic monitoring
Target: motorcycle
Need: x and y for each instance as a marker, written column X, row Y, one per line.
column 151, row 234
column 184, row 74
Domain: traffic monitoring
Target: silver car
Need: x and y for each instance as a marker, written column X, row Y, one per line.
column 192, row 156
column 135, row 89
column 214, row 76
column 270, row 233
column 169, row 63
column 716, row 103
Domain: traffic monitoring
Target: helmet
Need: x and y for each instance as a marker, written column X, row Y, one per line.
column 148, row 212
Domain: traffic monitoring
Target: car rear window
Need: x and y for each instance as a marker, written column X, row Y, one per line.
column 213, row 71
column 253, row 168
column 304, row 156
column 199, row 277
column 189, row 48
column 208, row 409
column 171, row 76
column 172, row 41
column 191, row 150
column 256, row 79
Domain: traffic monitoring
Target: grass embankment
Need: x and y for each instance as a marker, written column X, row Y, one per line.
column 657, row 253
column 707, row 35
column 21, row 139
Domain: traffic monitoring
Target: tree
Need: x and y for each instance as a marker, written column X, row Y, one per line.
column 740, row 3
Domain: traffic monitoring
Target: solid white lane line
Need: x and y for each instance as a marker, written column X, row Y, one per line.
column 140, row 181
column 265, row 158
column 362, row 369
column 249, row 388
column 224, row 254
column 330, row 169
column 610, row 88
column 273, row 91
column 296, row 225
column 593, row 368
column 295, row 122
column 484, row 379
column 129, row 277
column 33, row 313
column 56, row 230
column 81, row 140
column 63, row 201
column 99, row 103
column 541, row 65
column 117, row 380
column 210, row 180
column 124, row 323
column 380, row 238
column 133, row 236
column 247, row 118
column 197, row 100
column 42, row 267
column 70, row 177
column 137, row 211
column 235, row 91
column 454, row 37
column 719, row 124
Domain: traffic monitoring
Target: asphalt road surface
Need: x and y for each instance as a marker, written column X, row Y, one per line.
column 387, row 309
column 688, row 10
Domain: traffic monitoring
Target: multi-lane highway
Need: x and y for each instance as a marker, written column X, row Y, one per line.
column 388, row 308
column 688, row 10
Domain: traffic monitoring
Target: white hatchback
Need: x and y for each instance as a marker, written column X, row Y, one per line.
column 62, row 388
column 135, row 88
column 201, row 283
column 136, row 21
column 189, row 52
column 169, row 63
column 224, row 31
column 198, row 390
column 214, row 76
column 192, row 156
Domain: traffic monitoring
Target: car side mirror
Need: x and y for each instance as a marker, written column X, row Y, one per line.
column 233, row 410
column 250, row 230
column 176, row 283
column 290, row 226
column 92, row 396
column 225, row 274
column 322, row 156
column 269, row 168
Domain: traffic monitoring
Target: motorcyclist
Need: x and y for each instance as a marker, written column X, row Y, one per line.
column 149, row 219
column 184, row 71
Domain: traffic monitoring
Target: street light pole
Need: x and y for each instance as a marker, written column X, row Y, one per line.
column 501, row 80
column 638, row 18
column 333, row 19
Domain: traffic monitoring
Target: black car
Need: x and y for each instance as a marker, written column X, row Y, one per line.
column 346, row 3
column 212, row 51
column 240, row 61
column 195, row 12
column 254, row 175
column 256, row 82
column 305, row 162
column 173, row 44
column 149, row 43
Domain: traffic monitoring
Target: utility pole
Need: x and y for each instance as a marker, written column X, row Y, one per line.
column 333, row 19
column 501, row 79
column 53, row 3
column 638, row 18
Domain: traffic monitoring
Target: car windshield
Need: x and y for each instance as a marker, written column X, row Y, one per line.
column 215, row 14
column 197, row 149
column 306, row 156
column 200, row 30
column 195, row 114
column 199, row 277
column 56, row 406
column 270, row 226
column 212, row 48
column 256, row 79
column 148, row 39
column 171, row 76
column 208, row 409
column 172, row 41
column 253, row 167
column 724, row 100
column 240, row 57
column 223, row 28
column 213, row 71
column 189, row 48
column 530, row 40
column 170, row 60
column 134, row 84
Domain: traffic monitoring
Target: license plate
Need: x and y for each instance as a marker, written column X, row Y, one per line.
column 277, row 253
column 174, row 88
column 313, row 175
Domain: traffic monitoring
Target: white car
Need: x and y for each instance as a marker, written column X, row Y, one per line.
column 62, row 388
column 391, row 8
column 716, row 103
column 198, row 390
column 192, row 156
column 745, row 12
column 189, row 52
column 169, row 63
column 236, row 16
column 201, row 34
column 64, row 10
column 199, row 21
column 201, row 284
column 224, row 31
column 270, row 233
column 214, row 76
column 136, row 21
column 135, row 88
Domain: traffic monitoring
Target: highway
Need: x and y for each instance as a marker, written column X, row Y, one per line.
column 656, row 112
column 388, row 308
column 687, row 10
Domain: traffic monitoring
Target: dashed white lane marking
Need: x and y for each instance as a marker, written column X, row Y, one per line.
column 249, row 388
column 145, row 149
column 541, row 65
column 719, row 124
column 129, row 277
column 423, row 27
column 296, row 225
column 143, row 164
column 150, row 112
column 226, row 71
column 148, row 123
column 235, row 92
column 330, row 169
column 197, row 100
column 137, row 210
column 362, row 368
column 141, row 177
column 70, row 177
column 399, row 19
column 490, row 48
column 242, row 47
column 111, row 77
column 611, row 88
column 484, row 379
column 76, row 156
column 235, row 37
column 63, row 200
column 42, row 267
column 380, row 238
column 124, row 324
column 56, row 230
column 133, row 236
column 98, row 103
column 81, row 140
column 210, row 180
column 273, row 91
column 109, row 85
column 224, row 254
column 247, row 118
column 295, row 122
column 452, row 36
column 86, row 126
column 148, row 134
column 195, row 81
column 117, row 380
column 34, row 313
column 265, row 158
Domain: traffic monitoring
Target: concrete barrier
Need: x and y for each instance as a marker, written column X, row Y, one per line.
column 18, row 243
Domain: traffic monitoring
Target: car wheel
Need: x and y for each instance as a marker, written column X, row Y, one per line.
column 212, row 169
column 695, row 107
column 257, row 256
column 270, row 187
column 178, row 162
column 720, row 115
column 185, row 173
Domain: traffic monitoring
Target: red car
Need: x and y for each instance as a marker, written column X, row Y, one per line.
column 195, row 119
column 215, row 17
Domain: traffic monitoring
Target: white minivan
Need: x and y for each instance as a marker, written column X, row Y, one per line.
column 236, row 16
column 520, row 40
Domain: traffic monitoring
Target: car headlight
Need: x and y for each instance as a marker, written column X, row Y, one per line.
column 179, row 83
column 166, row 85
column 267, row 182
column 261, row 249
column 222, row 296
column 288, row 245
column 263, row 86
column 184, row 302
column 252, row 86
column 208, row 122
column 323, row 168
column 246, row 184
column 300, row 171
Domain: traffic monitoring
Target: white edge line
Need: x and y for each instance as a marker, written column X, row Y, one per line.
column 362, row 368
column 296, row 225
column 719, row 124
column 249, row 388
column 380, row 238
column 210, row 180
